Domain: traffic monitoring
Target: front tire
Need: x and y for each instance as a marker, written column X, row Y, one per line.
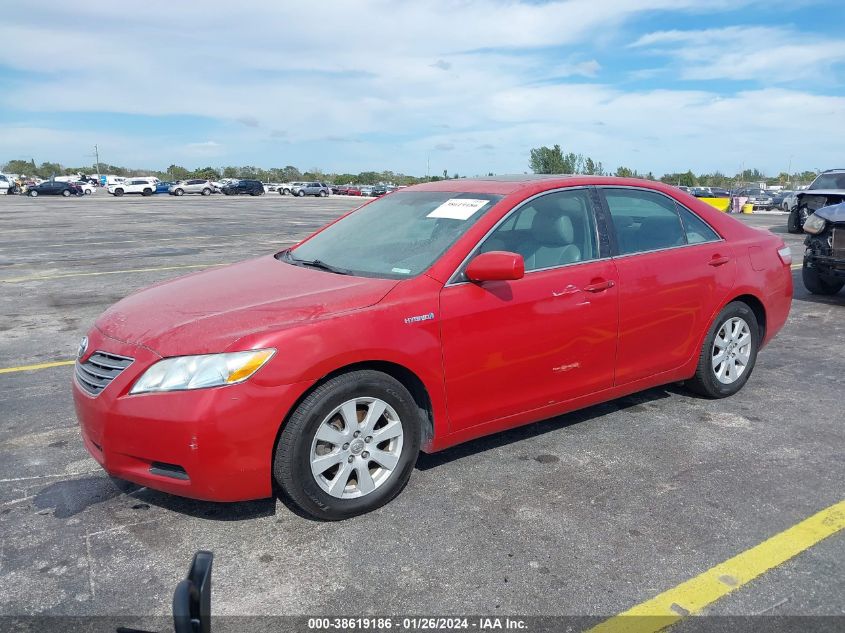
column 300, row 193
column 349, row 447
column 792, row 225
column 118, row 192
column 206, row 192
column 33, row 194
column 729, row 352
column 816, row 284
column 66, row 193
column 179, row 192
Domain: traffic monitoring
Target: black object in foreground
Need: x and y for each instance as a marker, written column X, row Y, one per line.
column 192, row 599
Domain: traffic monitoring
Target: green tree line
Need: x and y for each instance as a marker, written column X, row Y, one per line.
column 542, row 160
column 553, row 160
column 288, row 173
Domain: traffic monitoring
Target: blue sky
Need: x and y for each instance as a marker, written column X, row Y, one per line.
column 469, row 86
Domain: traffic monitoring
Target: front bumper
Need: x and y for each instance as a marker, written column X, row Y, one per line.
column 212, row 444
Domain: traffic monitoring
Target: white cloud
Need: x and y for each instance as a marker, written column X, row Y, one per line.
column 466, row 76
column 776, row 55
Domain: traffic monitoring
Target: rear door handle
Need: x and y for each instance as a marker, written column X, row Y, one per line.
column 719, row 260
column 599, row 286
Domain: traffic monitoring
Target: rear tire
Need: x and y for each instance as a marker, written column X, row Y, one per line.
column 733, row 339
column 342, row 488
column 816, row 284
column 88, row 192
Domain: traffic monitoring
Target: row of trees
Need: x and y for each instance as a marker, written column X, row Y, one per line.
column 288, row 173
column 552, row 160
column 542, row 160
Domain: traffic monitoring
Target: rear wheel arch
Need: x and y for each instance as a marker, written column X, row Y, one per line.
column 757, row 308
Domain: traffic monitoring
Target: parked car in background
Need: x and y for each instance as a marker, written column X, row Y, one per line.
column 284, row 188
column 6, row 185
column 380, row 190
column 313, row 188
column 87, row 187
column 133, row 185
column 719, row 192
column 779, row 198
column 366, row 190
column 791, row 201
column 195, row 185
column 757, row 197
column 54, row 188
column 823, row 271
column 163, row 186
column 827, row 189
column 324, row 369
column 700, row 192
column 244, row 187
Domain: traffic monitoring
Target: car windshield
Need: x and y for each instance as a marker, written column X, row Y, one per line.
column 829, row 181
column 397, row 236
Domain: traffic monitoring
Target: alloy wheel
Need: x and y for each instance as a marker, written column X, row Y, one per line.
column 356, row 448
column 731, row 351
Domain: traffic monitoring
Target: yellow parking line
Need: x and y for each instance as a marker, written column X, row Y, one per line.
column 58, row 363
column 692, row 596
column 17, row 280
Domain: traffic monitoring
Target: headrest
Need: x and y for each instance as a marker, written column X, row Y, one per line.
column 551, row 228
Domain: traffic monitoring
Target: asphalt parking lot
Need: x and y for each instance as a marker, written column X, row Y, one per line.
column 586, row 514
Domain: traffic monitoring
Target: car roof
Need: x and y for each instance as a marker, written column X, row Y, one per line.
column 508, row 184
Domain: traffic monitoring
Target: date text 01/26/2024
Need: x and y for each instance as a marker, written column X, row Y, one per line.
column 417, row 624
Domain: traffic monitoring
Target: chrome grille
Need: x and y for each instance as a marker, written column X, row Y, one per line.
column 99, row 370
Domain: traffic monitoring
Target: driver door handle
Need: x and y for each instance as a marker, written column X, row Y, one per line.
column 719, row 260
column 600, row 286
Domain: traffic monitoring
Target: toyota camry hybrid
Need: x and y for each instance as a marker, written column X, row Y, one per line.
column 431, row 316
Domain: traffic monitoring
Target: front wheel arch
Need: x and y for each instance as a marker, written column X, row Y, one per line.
column 413, row 383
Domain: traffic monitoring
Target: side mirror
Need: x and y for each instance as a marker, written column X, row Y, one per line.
column 191, row 600
column 496, row 266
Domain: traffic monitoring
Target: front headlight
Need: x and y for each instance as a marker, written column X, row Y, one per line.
column 198, row 372
column 814, row 224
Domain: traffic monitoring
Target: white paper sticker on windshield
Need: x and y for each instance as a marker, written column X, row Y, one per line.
column 457, row 209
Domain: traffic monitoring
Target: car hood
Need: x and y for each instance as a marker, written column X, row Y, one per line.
column 821, row 192
column 207, row 312
column 833, row 213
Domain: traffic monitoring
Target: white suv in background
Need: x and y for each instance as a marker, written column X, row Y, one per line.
column 133, row 185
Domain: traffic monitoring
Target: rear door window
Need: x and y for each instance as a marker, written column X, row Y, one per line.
column 644, row 220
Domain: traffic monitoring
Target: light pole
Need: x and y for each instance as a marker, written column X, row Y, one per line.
column 97, row 156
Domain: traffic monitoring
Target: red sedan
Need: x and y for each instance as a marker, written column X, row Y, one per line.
column 429, row 317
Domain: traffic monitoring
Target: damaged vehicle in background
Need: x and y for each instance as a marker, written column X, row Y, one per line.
column 827, row 189
column 824, row 260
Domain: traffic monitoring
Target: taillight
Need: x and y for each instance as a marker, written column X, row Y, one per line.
column 785, row 255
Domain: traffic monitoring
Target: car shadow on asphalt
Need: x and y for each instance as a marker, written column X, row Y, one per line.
column 72, row 496
column 427, row 461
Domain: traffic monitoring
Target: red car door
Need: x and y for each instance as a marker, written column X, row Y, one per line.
column 513, row 346
column 674, row 272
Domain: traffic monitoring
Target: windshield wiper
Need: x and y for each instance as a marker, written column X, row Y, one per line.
column 315, row 263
